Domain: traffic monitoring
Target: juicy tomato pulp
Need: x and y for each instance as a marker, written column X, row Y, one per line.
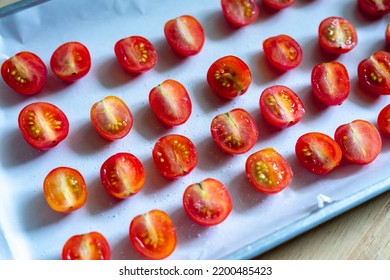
column 279, row 4
column 374, row 8
column 234, row 132
column 208, row 202
column 153, row 234
column 374, row 73
column 384, row 120
column 43, row 125
column 318, row 152
column 330, row 82
column 359, row 140
column 71, row 61
column 171, row 103
column 122, row 175
column 136, row 54
column 283, row 52
column 111, row 118
column 229, row 77
column 65, row 189
column 281, row 106
column 240, row 13
column 185, row 35
column 337, row 35
column 268, row 171
column 25, row 73
column 88, row 246
column 174, row 155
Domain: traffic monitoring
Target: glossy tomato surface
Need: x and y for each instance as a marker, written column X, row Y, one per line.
column 278, row 4
column 281, row 106
column 240, row 13
column 374, row 8
column 229, row 77
column 234, row 132
column 88, row 246
column 71, row 61
column 153, row 234
column 25, row 73
column 122, row 175
column 43, row 125
column 65, row 189
column 383, row 120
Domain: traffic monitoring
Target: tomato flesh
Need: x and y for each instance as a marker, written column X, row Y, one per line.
column 240, row 12
column 278, row 4
column 374, row 8
column 383, row 120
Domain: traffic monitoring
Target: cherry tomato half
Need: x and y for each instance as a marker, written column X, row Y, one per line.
column 122, row 175
column 234, row 132
column 111, row 118
column 65, row 189
column 153, row 234
column 359, row 140
column 208, row 202
column 88, row 246
column 240, row 13
column 70, row 61
column 25, row 73
column 374, row 8
column 135, row 54
column 384, row 120
column 43, row 125
column 278, row 4
column 229, row 77
column 387, row 34
column 280, row 106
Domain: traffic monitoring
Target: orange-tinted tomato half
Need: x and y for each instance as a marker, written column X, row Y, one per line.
column 240, row 13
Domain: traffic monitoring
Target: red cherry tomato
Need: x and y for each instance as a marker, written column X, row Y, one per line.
column 387, row 34
column 65, row 189
column 43, row 125
column 153, row 234
column 318, row 152
column 171, row 103
column 374, row 8
column 25, row 73
column 280, row 106
column 135, row 54
column 71, row 61
column 283, row 52
column 174, row 156
column 337, row 35
column 330, row 82
column 234, row 132
column 359, row 140
column 268, row 171
column 374, row 73
column 185, row 35
column 384, row 120
column 278, row 4
column 208, row 202
column 240, row 13
column 122, row 175
column 111, row 118
column 229, row 77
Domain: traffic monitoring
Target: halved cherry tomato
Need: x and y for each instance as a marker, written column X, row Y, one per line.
column 25, row 73
column 283, row 52
column 318, row 152
column 384, row 120
column 171, row 103
column 374, row 8
column 374, row 73
column 153, row 234
column 185, row 35
column 65, row 189
column 387, row 34
column 43, row 125
column 234, row 132
column 330, row 82
column 359, row 140
column 111, row 118
column 268, row 171
column 281, row 106
column 88, row 246
column 174, row 155
column 240, row 12
column 122, row 175
column 71, row 61
column 208, row 202
column 279, row 4
column 337, row 35
column 229, row 77
column 136, row 54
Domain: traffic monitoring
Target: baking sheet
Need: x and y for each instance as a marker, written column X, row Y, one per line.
column 29, row 229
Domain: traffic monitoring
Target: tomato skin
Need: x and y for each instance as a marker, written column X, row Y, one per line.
column 281, row 106
column 43, row 125
column 25, row 73
column 153, row 234
column 383, row 120
column 240, row 13
column 374, row 8
column 278, row 4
